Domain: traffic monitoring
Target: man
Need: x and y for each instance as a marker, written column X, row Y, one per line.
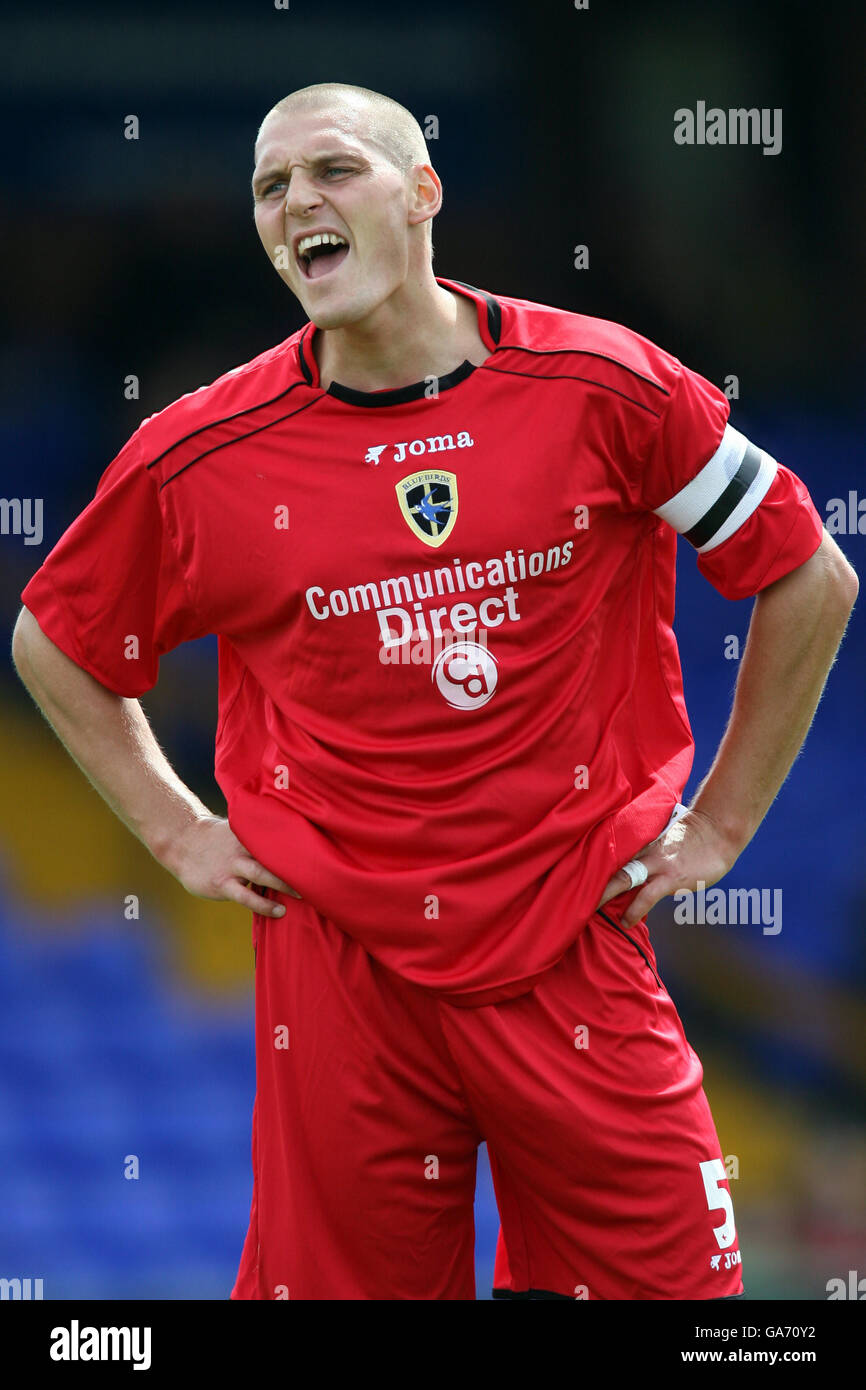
column 435, row 531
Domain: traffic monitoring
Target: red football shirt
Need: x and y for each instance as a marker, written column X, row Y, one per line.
column 450, row 699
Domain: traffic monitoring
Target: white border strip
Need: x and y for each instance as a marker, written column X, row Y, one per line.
column 686, row 508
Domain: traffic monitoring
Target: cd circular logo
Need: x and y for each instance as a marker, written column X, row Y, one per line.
column 465, row 674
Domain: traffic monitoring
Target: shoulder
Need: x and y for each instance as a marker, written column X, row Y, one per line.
column 243, row 390
column 549, row 341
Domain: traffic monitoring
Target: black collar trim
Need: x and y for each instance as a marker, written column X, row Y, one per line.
column 302, row 354
column 399, row 394
column 494, row 311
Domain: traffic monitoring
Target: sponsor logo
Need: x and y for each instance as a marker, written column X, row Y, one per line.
column 433, row 444
column 465, row 674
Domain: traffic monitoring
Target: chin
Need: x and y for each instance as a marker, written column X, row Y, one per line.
column 342, row 306
column 333, row 316
column 338, row 315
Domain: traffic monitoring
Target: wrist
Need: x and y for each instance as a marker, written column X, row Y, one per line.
column 731, row 827
column 167, row 840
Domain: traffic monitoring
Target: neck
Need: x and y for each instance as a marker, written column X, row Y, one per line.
column 422, row 330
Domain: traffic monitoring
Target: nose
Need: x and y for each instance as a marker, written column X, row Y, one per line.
column 302, row 194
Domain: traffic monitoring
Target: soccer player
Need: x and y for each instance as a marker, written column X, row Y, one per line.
column 435, row 532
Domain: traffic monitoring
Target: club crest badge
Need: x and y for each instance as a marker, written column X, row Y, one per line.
column 428, row 501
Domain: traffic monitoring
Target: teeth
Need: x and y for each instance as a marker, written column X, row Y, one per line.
column 322, row 238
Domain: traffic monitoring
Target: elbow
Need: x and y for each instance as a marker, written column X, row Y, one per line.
column 846, row 585
column 22, row 647
column 19, row 643
column 838, row 577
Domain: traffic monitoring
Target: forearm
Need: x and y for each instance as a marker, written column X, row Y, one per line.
column 796, row 628
column 111, row 741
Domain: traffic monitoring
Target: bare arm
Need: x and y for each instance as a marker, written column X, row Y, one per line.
column 796, row 628
column 109, row 737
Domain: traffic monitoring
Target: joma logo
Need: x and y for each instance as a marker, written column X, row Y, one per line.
column 435, row 444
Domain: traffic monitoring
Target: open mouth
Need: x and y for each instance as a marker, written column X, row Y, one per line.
column 319, row 255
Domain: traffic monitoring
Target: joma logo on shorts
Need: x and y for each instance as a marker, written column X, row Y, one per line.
column 435, row 444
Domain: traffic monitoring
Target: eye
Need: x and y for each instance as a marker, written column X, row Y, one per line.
column 329, row 169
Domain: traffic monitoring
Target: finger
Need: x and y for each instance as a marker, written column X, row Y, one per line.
column 247, row 897
column 642, row 903
column 618, row 884
column 621, row 881
column 255, row 872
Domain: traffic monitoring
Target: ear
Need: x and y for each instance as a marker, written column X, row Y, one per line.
column 425, row 193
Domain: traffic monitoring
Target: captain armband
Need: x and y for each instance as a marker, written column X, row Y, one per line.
column 723, row 495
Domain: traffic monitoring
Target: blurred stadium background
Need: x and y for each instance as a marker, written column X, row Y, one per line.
column 126, row 1036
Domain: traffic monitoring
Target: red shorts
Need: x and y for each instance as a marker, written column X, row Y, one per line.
column 373, row 1096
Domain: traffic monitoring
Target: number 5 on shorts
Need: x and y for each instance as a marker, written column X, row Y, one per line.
column 719, row 1199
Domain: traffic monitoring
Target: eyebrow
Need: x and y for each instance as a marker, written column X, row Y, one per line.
column 317, row 161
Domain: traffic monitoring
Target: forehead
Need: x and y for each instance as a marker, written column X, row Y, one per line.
column 288, row 135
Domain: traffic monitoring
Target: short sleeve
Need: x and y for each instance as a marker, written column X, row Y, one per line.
column 750, row 519
column 112, row 594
